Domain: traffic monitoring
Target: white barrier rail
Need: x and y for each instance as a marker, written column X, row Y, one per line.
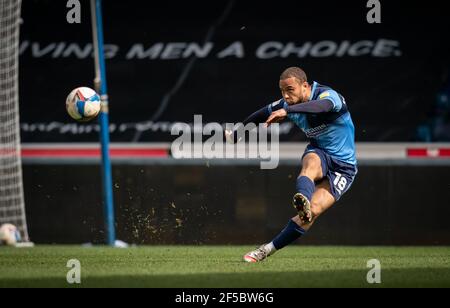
column 160, row 153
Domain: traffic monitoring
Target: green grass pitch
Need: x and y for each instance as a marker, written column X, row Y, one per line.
column 221, row 266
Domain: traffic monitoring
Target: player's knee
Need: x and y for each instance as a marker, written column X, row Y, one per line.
column 311, row 166
column 311, row 160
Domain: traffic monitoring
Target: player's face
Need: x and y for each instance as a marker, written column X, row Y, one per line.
column 294, row 91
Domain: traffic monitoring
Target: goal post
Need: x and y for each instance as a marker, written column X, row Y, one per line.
column 12, row 204
column 101, row 88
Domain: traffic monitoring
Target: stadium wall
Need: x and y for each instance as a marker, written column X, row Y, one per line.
column 213, row 203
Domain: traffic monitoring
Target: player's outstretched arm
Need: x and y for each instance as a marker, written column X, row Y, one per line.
column 318, row 106
column 276, row 116
column 257, row 117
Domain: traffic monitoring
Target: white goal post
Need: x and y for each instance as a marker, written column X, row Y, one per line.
column 12, row 205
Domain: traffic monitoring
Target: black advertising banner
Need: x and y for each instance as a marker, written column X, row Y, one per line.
column 167, row 62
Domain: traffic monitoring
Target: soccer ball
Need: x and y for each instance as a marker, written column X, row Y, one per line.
column 83, row 104
column 9, row 235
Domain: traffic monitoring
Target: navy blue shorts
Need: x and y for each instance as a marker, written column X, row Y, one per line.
column 340, row 174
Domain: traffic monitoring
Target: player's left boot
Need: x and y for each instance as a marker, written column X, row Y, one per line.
column 257, row 255
column 303, row 207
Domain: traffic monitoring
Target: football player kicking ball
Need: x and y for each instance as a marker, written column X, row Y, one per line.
column 328, row 164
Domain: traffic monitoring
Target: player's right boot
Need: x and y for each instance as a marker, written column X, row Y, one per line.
column 303, row 207
column 257, row 255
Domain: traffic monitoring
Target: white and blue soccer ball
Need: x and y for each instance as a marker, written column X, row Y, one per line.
column 83, row 104
column 9, row 235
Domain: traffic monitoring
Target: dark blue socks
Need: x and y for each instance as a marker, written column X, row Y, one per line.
column 288, row 235
column 305, row 186
column 293, row 231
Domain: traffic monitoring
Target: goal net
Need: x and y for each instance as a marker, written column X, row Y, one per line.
column 12, row 206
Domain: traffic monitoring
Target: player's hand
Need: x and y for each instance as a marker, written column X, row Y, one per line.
column 232, row 136
column 229, row 136
column 276, row 116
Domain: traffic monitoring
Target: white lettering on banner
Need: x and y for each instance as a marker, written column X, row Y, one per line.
column 138, row 51
column 173, row 51
column 64, row 50
column 236, row 49
column 292, row 49
column 324, row 49
column 83, row 128
column 39, row 52
column 79, row 52
column 342, row 49
column 197, row 51
column 269, row 50
column 360, row 49
column 385, row 48
column 380, row 48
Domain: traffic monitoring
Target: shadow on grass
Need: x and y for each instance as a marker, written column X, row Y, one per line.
column 414, row 277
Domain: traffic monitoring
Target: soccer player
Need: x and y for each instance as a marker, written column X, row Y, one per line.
column 329, row 165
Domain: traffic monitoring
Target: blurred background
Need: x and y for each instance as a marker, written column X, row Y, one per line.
column 222, row 59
